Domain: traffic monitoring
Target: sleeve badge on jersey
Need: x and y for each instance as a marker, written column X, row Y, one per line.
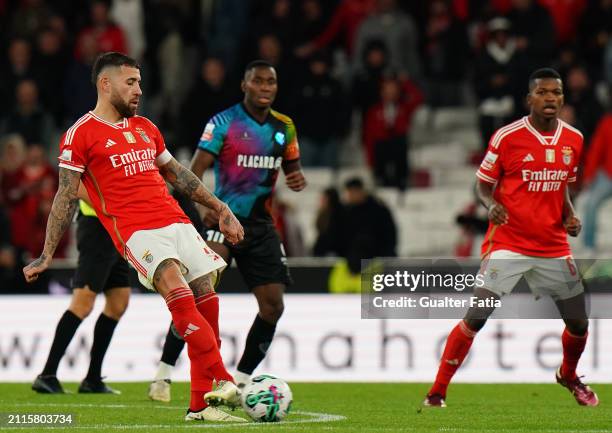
column 207, row 135
column 489, row 161
column 66, row 155
column 279, row 137
column 143, row 135
column 491, row 157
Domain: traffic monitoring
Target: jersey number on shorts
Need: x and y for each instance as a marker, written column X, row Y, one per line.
column 214, row 236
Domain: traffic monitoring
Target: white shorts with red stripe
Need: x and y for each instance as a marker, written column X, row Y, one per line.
column 556, row 277
column 146, row 249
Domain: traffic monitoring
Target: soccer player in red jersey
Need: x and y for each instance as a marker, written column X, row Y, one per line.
column 523, row 182
column 123, row 163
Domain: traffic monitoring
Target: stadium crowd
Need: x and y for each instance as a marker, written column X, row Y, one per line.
column 343, row 65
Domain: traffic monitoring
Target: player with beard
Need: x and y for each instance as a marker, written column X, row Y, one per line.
column 122, row 161
column 247, row 144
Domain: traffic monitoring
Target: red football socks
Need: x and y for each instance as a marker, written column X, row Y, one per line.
column 573, row 345
column 457, row 347
column 202, row 348
column 208, row 306
column 197, row 402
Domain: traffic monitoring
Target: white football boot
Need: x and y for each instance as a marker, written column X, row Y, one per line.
column 241, row 379
column 212, row 414
column 225, row 393
column 159, row 390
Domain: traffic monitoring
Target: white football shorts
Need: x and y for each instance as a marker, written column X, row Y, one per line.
column 146, row 249
column 556, row 277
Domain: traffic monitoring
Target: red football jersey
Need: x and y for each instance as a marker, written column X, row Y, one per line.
column 532, row 171
column 119, row 165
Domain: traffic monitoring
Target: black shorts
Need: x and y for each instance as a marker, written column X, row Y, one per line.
column 100, row 266
column 260, row 257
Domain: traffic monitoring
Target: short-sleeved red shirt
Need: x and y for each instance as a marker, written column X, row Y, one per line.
column 531, row 171
column 119, row 165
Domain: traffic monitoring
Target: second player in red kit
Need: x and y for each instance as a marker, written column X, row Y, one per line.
column 523, row 183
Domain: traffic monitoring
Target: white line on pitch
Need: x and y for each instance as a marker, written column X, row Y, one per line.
column 316, row 417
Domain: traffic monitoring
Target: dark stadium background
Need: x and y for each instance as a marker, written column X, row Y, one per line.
column 431, row 55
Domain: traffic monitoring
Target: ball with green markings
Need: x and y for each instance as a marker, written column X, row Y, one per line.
column 266, row 398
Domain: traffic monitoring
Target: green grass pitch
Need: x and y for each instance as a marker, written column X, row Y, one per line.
column 331, row 407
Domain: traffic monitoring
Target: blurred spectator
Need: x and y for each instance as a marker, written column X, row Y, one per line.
column 366, row 84
column 310, row 21
column 28, row 118
column 12, row 157
column 534, row 31
column 474, row 222
column 494, row 81
column 322, row 114
column 399, row 33
column 19, row 67
column 29, row 193
column 79, row 92
column 595, row 33
column 288, row 227
column 329, row 224
column 29, row 18
column 230, row 24
column 275, row 19
column 446, row 50
column 579, row 93
column 567, row 58
column 210, row 94
column 169, row 60
column 57, row 23
column 369, row 229
column 597, row 177
column 566, row 17
column 129, row 15
column 271, row 50
column 568, row 114
column 345, row 22
column 7, row 253
column 108, row 36
column 52, row 58
column 386, row 128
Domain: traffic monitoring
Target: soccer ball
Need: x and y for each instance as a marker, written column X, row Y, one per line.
column 266, row 398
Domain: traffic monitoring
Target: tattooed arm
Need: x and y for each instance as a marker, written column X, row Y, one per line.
column 60, row 217
column 188, row 184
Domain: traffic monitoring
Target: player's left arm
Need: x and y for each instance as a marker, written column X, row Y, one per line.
column 294, row 176
column 572, row 223
column 187, row 183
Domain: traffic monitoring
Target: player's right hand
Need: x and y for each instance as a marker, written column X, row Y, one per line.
column 230, row 226
column 498, row 214
column 37, row 267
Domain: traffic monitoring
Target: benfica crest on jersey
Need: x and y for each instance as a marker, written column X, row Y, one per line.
column 567, row 155
column 143, row 134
